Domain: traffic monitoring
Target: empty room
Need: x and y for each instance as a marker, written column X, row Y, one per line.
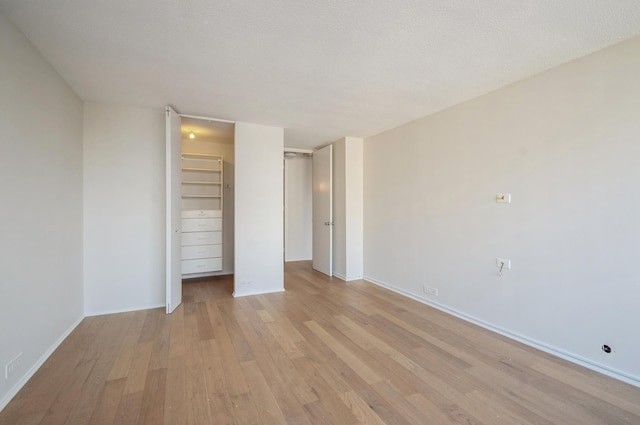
column 234, row 212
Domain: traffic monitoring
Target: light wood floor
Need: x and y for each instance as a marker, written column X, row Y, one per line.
column 324, row 352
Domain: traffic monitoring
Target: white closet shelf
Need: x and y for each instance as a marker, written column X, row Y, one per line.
column 199, row 155
column 200, row 182
column 208, row 170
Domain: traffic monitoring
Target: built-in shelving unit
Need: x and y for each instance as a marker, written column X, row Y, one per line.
column 201, row 213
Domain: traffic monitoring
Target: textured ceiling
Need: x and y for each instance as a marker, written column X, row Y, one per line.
column 321, row 69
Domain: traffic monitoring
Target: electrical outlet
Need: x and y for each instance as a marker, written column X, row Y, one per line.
column 10, row 367
column 244, row 284
column 430, row 291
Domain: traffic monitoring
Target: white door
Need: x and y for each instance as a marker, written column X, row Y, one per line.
column 173, row 208
column 322, row 210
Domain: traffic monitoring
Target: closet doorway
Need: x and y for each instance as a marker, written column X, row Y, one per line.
column 200, row 200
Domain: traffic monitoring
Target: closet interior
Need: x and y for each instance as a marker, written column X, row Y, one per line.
column 207, row 197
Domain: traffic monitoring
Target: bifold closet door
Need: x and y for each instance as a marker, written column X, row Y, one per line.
column 173, row 217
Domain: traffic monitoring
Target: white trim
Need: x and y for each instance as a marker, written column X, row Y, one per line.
column 25, row 378
column 340, row 276
column 345, row 278
column 123, row 310
column 298, row 150
column 206, row 118
column 245, row 294
column 571, row 357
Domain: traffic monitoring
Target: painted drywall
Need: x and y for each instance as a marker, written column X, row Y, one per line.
column 224, row 148
column 565, row 145
column 259, row 220
column 354, row 202
column 339, row 213
column 123, row 208
column 348, row 208
column 298, row 208
column 41, row 192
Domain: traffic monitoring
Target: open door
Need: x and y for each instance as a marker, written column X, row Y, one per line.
column 323, row 210
column 173, row 207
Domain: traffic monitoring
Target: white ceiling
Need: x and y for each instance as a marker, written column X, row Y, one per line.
column 322, row 69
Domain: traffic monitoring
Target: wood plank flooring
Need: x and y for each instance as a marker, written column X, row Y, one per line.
column 323, row 352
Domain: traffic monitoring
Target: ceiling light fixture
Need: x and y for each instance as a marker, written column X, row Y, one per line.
column 191, row 135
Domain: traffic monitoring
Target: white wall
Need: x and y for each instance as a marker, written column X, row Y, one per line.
column 123, row 208
column 41, row 213
column 354, row 202
column 298, row 209
column 339, row 213
column 565, row 144
column 258, row 209
column 225, row 149
column 348, row 208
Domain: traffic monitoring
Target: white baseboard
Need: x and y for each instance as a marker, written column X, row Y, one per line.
column 18, row 386
column 245, row 294
column 345, row 278
column 571, row 357
column 122, row 310
column 339, row 276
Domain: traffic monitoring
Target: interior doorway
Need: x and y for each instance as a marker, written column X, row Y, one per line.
column 308, row 207
column 199, row 201
column 298, row 206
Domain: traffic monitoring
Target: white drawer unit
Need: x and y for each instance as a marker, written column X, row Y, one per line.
column 201, row 224
column 201, row 251
column 201, row 213
column 201, row 238
column 202, row 265
column 202, row 190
